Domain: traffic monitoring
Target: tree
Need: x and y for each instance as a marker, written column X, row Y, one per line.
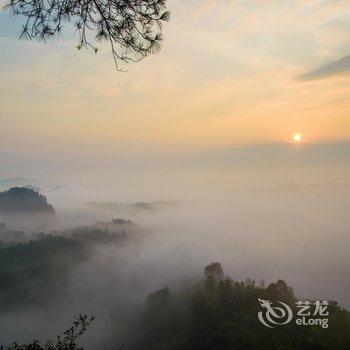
column 67, row 342
column 280, row 291
column 133, row 28
column 215, row 270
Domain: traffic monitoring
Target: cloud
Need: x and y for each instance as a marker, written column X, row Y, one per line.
column 341, row 66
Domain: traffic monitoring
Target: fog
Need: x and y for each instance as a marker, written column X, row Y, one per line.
column 263, row 218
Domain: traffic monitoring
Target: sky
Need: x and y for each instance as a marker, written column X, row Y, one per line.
column 230, row 74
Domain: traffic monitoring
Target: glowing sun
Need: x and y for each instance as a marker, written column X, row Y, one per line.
column 297, row 137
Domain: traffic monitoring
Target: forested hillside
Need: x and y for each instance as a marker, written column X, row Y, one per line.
column 24, row 200
column 219, row 313
column 35, row 269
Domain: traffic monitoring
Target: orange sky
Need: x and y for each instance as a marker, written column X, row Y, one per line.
column 229, row 73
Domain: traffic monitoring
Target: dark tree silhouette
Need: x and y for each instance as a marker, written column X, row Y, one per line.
column 65, row 342
column 215, row 270
column 25, row 200
column 133, row 28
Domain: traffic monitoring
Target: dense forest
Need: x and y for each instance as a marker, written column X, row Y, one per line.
column 216, row 313
column 34, row 268
column 219, row 313
column 24, row 200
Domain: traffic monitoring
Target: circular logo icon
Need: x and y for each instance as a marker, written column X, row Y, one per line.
column 274, row 315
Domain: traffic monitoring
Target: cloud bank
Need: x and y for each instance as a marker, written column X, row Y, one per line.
column 341, row 66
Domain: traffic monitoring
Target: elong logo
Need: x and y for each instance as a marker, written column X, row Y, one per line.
column 309, row 313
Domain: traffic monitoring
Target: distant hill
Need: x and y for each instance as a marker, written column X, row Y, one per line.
column 27, row 182
column 24, row 200
column 314, row 188
column 140, row 206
